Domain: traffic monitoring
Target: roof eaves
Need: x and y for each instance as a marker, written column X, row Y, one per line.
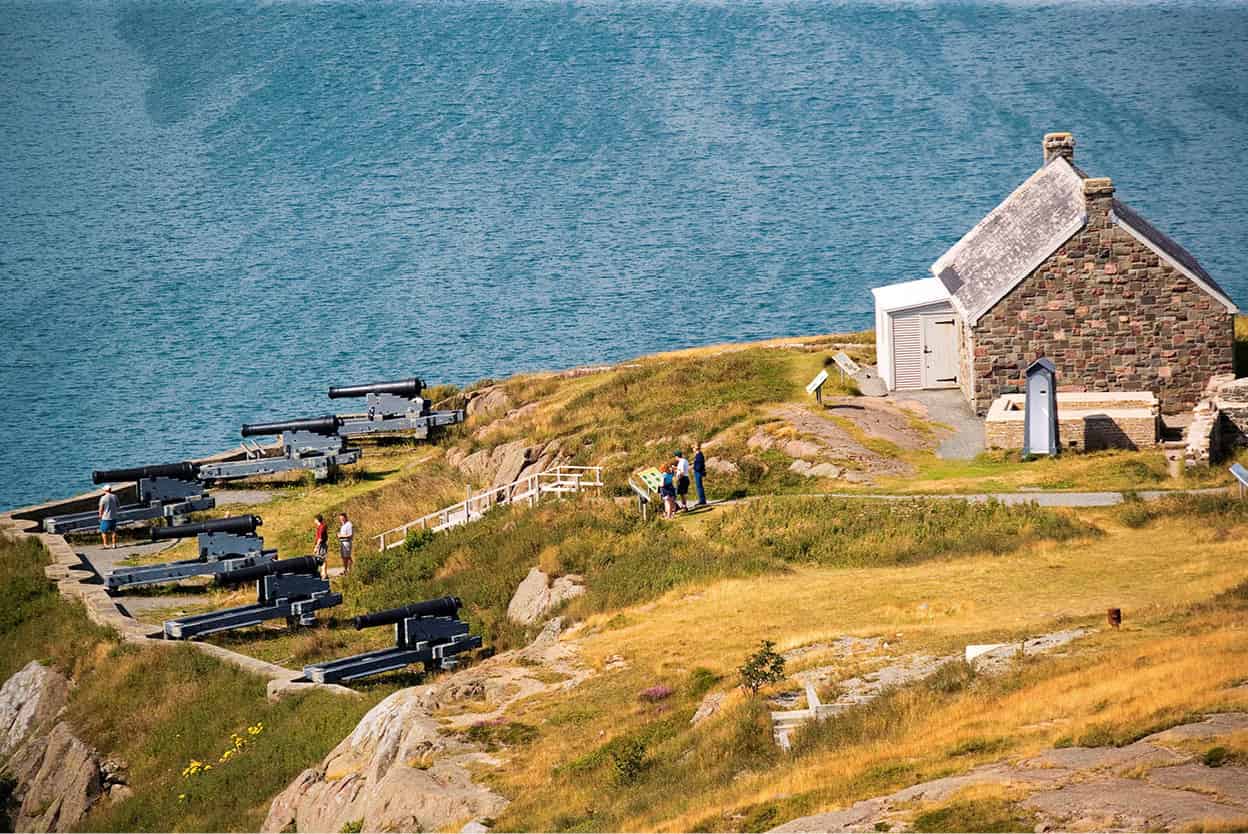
column 973, row 316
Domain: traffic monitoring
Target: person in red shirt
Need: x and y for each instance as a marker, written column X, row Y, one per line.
column 320, row 546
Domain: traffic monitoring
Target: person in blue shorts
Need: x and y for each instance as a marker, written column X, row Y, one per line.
column 668, row 490
column 107, row 511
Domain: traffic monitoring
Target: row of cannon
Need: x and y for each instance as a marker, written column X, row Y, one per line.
column 232, row 552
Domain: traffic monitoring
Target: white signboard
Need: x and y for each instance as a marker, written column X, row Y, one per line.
column 846, row 364
column 817, row 382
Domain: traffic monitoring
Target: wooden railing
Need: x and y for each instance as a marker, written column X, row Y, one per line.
column 530, row 488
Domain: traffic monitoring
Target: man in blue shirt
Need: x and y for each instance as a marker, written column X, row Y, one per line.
column 699, row 472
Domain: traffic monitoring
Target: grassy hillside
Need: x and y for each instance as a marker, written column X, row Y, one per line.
column 161, row 708
column 1183, row 650
column 676, row 606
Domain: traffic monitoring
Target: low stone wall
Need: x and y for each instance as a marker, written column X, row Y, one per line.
column 1219, row 421
column 1087, row 421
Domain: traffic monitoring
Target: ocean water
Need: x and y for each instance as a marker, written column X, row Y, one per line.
column 210, row 212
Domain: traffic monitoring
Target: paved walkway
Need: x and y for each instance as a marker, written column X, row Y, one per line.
column 948, row 406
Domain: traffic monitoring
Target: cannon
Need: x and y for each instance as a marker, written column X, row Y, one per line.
column 311, row 444
column 225, row 545
column 400, row 388
column 290, row 588
column 395, row 406
column 424, row 632
column 169, row 491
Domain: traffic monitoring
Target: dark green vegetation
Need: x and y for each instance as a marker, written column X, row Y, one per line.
column 854, row 533
column 1220, row 509
column 976, row 815
column 161, row 708
column 626, row 561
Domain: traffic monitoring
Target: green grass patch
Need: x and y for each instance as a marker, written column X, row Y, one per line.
column 626, row 561
column 977, row 815
column 850, row 533
column 160, row 708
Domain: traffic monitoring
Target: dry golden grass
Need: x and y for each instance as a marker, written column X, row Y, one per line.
column 1165, row 664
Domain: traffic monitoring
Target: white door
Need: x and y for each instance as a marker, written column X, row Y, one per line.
column 1039, row 422
column 940, row 351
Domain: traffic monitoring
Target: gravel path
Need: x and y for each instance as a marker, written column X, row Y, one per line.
column 949, row 407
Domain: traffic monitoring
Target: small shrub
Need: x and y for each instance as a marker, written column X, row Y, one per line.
column 1215, row 756
column 701, row 681
column 763, row 667
column 629, row 760
column 353, row 827
column 975, row 815
column 972, row 746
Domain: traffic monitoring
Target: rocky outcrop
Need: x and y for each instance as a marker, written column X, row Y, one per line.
column 402, row 769
column 506, row 462
column 29, row 701
column 537, row 595
column 395, row 772
column 1151, row 785
column 486, row 402
column 58, row 777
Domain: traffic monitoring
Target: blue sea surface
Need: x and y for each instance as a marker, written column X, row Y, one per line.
column 210, row 212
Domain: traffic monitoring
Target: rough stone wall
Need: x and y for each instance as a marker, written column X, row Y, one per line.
column 1110, row 315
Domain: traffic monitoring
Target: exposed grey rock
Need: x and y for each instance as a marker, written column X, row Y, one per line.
column 801, row 467
column 721, row 466
column 801, row 449
column 1084, row 788
column 760, row 440
column 487, row 402
column 58, row 780
column 710, row 705
column 29, row 700
column 537, row 595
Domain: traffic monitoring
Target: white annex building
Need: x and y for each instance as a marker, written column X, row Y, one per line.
column 916, row 335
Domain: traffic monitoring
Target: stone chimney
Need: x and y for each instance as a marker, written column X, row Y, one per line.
column 1059, row 144
column 1098, row 198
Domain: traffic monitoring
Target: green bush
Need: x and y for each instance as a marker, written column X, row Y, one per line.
column 629, row 760
column 763, row 667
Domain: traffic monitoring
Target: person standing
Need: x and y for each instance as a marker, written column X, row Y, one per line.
column 320, row 544
column 346, row 535
column 699, row 472
column 682, row 480
column 107, row 511
column 668, row 491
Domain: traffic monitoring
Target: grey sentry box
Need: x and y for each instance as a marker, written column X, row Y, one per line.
column 225, row 545
column 1040, row 409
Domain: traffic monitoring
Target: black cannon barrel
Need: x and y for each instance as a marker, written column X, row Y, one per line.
column 241, row 524
column 441, row 607
column 314, row 425
column 400, row 387
column 300, row 564
column 184, row 470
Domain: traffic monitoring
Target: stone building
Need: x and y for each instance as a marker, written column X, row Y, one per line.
column 1061, row 269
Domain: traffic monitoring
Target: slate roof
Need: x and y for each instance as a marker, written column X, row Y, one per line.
column 1015, row 238
column 1167, row 249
